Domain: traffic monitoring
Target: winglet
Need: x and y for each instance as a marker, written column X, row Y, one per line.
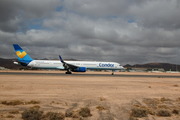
column 61, row 59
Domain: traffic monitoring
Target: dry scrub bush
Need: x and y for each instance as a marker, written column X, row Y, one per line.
column 33, row 102
column 163, row 99
column 66, row 103
column 151, row 102
column 175, row 111
column 4, row 102
column 54, row 116
column 132, row 118
column 75, row 115
column 85, row 112
column 35, row 107
column 163, row 107
column 14, row 112
column 178, row 99
column 10, row 116
column 175, row 85
column 102, row 99
column 100, row 108
column 151, row 112
column 18, row 102
column 32, row 114
column 68, row 113
column 149, row 109
column 139, row 112
column 13, row 103
column 163, row 113
column 136, row 105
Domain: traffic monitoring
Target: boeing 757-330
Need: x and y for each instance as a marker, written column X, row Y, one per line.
column 70, row 66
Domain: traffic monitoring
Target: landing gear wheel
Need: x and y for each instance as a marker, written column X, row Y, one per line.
column 68, row 72
column 112, row 72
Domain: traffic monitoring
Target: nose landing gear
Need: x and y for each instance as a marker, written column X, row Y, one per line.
column 112, row 72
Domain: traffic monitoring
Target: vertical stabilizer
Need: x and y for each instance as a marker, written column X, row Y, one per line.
column 21, row 54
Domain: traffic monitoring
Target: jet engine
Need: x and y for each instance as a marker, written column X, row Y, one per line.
column 80, row 69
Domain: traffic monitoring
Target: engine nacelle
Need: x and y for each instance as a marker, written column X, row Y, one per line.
column 80, row 69
column 20, row 63
column 16, row 63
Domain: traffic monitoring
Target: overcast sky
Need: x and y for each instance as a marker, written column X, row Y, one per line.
column 124, row 31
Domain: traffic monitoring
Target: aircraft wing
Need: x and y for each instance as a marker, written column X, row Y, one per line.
column 67, row 65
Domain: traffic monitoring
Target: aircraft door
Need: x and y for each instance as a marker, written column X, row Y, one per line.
column 97, row 65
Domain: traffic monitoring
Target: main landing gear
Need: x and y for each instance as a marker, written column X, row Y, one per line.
column 112, row 72
column 68, row 72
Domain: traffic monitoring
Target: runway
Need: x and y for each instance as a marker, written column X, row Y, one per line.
column 108, row 74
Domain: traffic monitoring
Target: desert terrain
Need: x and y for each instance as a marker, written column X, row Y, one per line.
column 108, row 98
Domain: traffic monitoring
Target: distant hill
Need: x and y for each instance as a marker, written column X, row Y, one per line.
column 165, row 66
column 8, row 63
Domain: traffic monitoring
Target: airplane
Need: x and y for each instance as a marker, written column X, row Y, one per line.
column 70, row 66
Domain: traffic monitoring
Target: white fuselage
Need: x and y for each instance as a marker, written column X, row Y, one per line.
column 53, row 64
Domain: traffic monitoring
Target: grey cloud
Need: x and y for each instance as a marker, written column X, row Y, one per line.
column 37, row 38
column 14, row 13
column 97, row 8
column 148, row 13
column 125, row 31
column 157, row 14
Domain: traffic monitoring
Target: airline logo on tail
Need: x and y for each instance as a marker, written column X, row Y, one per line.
column 21, row 55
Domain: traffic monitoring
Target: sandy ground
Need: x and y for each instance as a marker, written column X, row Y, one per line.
column 119, row 95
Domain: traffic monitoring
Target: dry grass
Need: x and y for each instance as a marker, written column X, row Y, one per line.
column 13, row 103
column 163, row 107
column 175, row 86
column 35, row 107
column 100, row 108
column 102, row 99
column 53, row 116
column 10, row 116
column 151, row 112
column 18, row 102
column 163, row 113
column 156, row 107
column 53, row 102
column 132, row 118
column 33, row 102
column 75, row 115
column 14, row 112
column 151, row 102
column 136, row 105
column 163, row 99
column 66, row 104
column 178, row 99
column 69, row 113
